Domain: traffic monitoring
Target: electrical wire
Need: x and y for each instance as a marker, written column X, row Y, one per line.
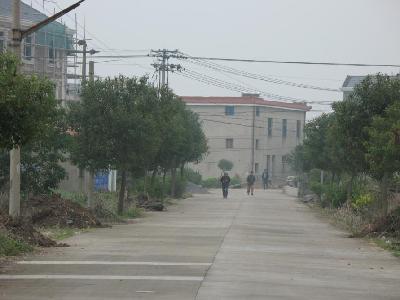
column 293, row 62
column 237, row 72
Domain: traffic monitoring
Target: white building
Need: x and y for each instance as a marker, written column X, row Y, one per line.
column 253, row 133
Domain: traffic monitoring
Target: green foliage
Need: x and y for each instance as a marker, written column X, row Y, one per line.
column 225, row 165
column 11, row 247
column 193, row 176
column 360, row 137
column 123, row 123
column 40, row 159
column 79, row 198
column 335, row 194
column 27, row 105
column 235, row 181
column 133, row 212
column 211, row 183
column 383, row 145
column 362, row 201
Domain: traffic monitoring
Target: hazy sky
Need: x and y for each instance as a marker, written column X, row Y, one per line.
column 351, row 31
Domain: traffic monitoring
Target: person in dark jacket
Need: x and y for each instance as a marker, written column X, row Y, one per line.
column 265, row 178
column 251, row 179
column 225, row 181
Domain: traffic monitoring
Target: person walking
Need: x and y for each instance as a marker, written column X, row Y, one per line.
column 225, row 181
column 251, row 179
column 265, row 178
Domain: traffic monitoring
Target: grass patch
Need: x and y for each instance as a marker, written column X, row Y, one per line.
column 133, row 212
column 59, row 234
column 392, row 245
column 11, row 247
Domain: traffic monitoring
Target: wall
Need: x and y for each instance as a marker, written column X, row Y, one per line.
column 218, row 127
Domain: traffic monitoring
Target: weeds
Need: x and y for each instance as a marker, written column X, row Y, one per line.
column 11, row 247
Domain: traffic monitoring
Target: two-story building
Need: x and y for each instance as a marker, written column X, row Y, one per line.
column 255, row 134
column 45, row 52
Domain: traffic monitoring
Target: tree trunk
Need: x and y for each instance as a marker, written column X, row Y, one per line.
column 182, row 170
column 173, row 182
column 163, row 182
column 122, row 193
column 153, row 177
column 384, row 187
column 90, row 187
column 350, row 189
column 145, row 183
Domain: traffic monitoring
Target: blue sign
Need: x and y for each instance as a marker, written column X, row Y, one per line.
column 101, row 182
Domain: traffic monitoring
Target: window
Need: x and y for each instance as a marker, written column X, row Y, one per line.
column 28, row 48
column 257, row 144
column 257, row 111
column 270, row 124
column 284, row 128
column 284, row 162
column 229, row 110
column 298, row 129
column 2, row 41
column 229, row 143
column 52, row 52
column 256, row 168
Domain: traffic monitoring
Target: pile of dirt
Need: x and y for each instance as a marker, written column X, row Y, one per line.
column 52, row 210
column 23, row 230
column 388, row 226
column 147, row 203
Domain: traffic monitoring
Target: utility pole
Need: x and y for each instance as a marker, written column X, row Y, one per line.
column 15, row 154
column 91, row 173
column 253, row 137
column 163, row 66
column 84, row 44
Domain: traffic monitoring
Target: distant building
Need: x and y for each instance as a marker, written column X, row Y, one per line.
column 44, row 52
column 352, row 81
column 253, row 133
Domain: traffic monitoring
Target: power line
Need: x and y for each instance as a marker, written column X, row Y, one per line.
column 290, row 62
column 221, row 68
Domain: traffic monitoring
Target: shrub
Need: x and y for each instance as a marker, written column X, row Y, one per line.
column 133, row 212
column 362, row 201
column 193, row 176
column 11, row 247
column 335, row 194
column 235, row 181
column 225, row 165
column 211, row 183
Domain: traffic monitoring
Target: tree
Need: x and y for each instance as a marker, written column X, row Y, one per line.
column 116, row 127
column 27, row 105
column 225, row 165
column 383, row 149
column 182, row 138
column 353, row 117
column 40, row 163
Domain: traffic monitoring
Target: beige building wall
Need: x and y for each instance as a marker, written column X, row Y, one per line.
column 270, row 149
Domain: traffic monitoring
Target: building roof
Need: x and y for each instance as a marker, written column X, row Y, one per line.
column 352, row 81
column 193, row 100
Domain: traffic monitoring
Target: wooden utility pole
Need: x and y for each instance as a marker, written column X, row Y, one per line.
column 90, row 182
column 15, row 154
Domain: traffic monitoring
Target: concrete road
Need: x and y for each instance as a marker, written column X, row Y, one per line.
column 264, row 247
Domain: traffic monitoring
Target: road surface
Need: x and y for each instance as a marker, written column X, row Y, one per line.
column 268, row 246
